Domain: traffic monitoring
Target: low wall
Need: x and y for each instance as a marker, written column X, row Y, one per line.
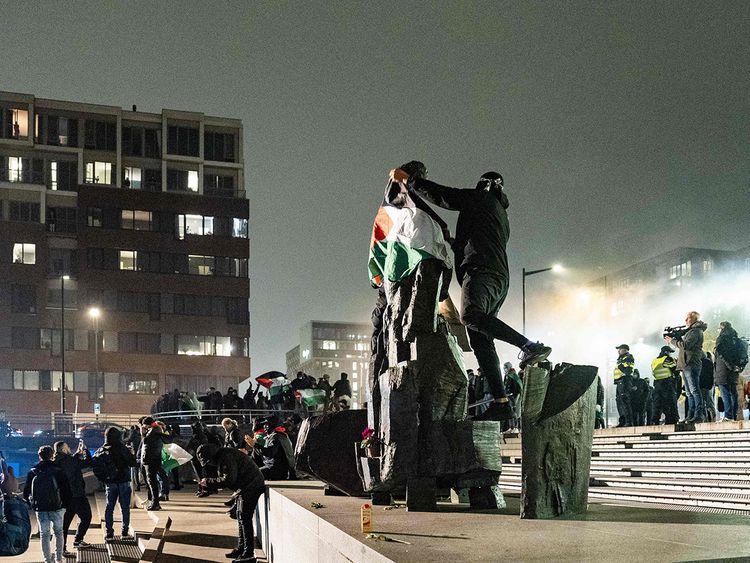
column 289, row 533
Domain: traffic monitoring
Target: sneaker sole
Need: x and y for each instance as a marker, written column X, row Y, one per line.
column 536, row 358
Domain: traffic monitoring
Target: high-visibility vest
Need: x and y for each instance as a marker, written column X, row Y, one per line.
column 623, row 363
column 662, row 367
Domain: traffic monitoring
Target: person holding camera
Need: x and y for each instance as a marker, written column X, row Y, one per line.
column 689, row 344
column 72, row 465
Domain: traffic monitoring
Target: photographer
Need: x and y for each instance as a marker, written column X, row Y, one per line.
column 689, row 344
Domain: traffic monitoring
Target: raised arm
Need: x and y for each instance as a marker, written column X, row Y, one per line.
column 442, row 196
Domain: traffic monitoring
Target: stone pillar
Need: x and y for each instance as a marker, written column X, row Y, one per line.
column 559, row 408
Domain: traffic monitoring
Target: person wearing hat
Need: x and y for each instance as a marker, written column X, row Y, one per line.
column 623, row 376
column 482, row 232
column 664, row 370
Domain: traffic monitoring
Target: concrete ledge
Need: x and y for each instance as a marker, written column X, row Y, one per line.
column 155, row 544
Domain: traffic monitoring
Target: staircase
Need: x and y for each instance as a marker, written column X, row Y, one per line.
column 698, row 471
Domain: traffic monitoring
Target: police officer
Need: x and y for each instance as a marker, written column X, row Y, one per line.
column 664, row 370
column 623, row 376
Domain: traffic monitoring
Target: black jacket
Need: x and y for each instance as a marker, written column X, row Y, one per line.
column 482, row 230
column 62, row 481
column 235, row 470
column 233, row 439
column 274, row 457
column 72, row 466
column 123, row 459
column 151, row 446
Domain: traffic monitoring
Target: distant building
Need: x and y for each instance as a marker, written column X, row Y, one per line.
column 143, row 216
column 332, row 348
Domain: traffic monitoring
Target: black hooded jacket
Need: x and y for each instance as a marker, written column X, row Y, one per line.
column 72, row 466
column 235, row 470
column 482, row 230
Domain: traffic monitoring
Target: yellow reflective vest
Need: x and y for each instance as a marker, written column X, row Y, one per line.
column 625, row 365
column 663, row 367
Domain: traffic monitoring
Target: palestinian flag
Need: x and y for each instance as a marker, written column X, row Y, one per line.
column 266, row 379
column 402, row 237
column 311, row 398
column 278, row 386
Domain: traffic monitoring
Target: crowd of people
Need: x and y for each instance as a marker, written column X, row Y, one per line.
column 709, row 386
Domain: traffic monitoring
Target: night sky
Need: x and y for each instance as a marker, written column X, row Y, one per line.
column 621, row 128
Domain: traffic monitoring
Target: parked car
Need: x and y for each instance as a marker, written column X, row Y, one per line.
column 95, row 430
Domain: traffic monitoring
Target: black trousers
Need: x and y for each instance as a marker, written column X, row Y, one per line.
column 624, row 397
column 482, row 294
column 664, row 401
column 152, row 470
column 79, row 506
column 247, row 501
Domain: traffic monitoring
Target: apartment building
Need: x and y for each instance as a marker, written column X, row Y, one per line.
column 123, row 255
column 332, row 348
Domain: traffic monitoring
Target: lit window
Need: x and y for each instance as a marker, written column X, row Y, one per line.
column 239, row 228
column 98, row 172
column 24, row 253
column 132, row 178
column 208, row 226
column 190, row 225
column 708, row 265
column 192, row 183
column 329, row 345
column 53, row 175
column 15, row 169
column 127, row 259
column 136, row 219
column 20, row 124
column 201, row 265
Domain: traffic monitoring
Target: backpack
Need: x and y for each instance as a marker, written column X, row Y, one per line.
column 45, row 492
column 103, row 465
column 736, row 354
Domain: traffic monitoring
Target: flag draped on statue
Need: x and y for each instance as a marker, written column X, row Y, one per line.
column 403, row 236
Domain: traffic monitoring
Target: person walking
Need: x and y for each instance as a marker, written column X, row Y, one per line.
column 623, row 376
column 664, row 372
column 119, row 460
column 48, row 491
column 72, row 465
column 482, row 233
column 236, row 470
column 689, row 359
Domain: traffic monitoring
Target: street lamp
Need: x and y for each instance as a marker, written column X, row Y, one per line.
column 62, row 341
column 94, row 314
column 556, row 268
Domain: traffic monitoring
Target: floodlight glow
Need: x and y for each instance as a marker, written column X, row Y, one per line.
column 557, row 268
column 95, row 312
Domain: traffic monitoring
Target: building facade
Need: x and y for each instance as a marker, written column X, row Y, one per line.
column 331, row 348
column 139, row 217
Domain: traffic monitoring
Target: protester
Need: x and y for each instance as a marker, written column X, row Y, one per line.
column 133, row 441
column 72, row 465
column 115, row 462
column 725, row 375
column 599, row 416
column 48, row 492
column 513, row 388
column 707, row 385
column 689, row 360
column 342, row 388
column 271, row 449
column 482, row 233
column 232, row 436
column 151, row 446
column 237, row 471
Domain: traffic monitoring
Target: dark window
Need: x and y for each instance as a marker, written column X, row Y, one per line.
column 23, row 299
column 94, row 217
column 151, row 143
column 153, row 301
column 148, row 261
column 151, row 180
column 24, row 211
column 182, row 180
column 182, row 140
column 61, row 261
column 214, row 184
column 218, row 146
column 237, row 312
column 101, row 135
column 25, row 338
column 127, row 342
column 131, row 301
column 62, row 219
column 63, row 175
column 102, row 258
column 139, row 342
column 132, row 141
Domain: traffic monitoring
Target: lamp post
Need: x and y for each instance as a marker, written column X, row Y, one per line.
column 95, row 313
column 526, row 273
column 62, row 341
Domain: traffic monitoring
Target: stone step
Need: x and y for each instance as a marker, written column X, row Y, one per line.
column 94, row 553
column 676, row 444
column 126, row 551
column 701, row 473
column 720, row 486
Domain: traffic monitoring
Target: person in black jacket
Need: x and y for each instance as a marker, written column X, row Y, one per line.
column 482, row 232
column 72, row 465
column 236, row 471
column 117, row 488
column 48, row 491
column 272, row 449
column 151, row 446
column 707, row 386
column 232, row 435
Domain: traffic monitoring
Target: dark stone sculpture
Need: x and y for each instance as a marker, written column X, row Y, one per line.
column 559, row 408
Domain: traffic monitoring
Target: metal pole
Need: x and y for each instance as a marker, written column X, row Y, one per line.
column 62, row 343
column 96, row 351
column 523, row 285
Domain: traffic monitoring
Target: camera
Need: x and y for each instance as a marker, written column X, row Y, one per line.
column 676, row 332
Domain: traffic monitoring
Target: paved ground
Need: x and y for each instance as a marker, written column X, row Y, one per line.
column 606, row 533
